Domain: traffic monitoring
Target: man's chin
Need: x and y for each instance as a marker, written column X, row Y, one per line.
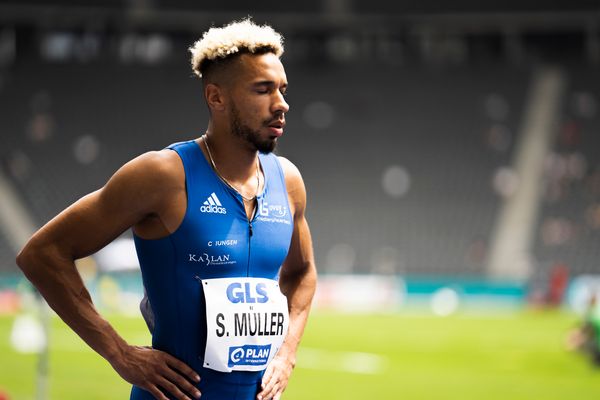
column 259, row 141
column 266, row 146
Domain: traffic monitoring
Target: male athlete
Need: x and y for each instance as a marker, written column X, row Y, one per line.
column 223, row 243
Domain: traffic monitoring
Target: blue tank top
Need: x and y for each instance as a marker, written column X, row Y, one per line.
column 215, row 240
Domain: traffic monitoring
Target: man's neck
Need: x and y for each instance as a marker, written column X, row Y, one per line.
column 233, row 157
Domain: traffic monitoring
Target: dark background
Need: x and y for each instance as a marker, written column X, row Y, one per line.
column 404, row 116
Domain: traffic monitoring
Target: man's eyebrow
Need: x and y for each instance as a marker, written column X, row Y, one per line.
column 268, row 83
column 264, row 83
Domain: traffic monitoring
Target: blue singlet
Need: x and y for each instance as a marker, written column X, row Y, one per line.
column 214, row 240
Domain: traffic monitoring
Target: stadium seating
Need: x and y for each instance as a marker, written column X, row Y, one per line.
column 568, row 232
column 399, row 161
column 6, row 255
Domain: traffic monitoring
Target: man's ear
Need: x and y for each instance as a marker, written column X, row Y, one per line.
column 215, row 97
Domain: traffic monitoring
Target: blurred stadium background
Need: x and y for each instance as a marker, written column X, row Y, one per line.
column 451, row 154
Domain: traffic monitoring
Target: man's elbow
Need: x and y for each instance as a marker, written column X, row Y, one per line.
column 305, row 273
column 24, row 259
column 31, row 256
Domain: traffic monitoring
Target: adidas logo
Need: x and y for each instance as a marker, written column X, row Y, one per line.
column 213, row 205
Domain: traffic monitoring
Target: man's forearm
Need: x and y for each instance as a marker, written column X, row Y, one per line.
column 60, row 284
column 299, row 289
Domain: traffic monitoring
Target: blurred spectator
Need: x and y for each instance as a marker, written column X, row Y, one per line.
column 559, row 280
column 586, row 337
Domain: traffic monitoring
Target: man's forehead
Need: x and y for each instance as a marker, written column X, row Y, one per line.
column 263, row 67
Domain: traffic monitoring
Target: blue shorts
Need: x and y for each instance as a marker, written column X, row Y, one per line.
column 216, row 389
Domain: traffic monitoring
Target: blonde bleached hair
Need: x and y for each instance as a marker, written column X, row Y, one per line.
column 237, row 37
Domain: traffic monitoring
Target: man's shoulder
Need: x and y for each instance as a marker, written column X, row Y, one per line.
column 290, row 171
column 294, row 183
column 161, row 161
column 156, row 168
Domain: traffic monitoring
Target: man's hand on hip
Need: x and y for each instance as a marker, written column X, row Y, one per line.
column 275, row 379
column 157, row 371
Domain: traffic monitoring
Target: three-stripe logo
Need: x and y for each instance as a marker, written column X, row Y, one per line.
column 213, row 205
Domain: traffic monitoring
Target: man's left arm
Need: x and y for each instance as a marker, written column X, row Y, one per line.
column 297, row 280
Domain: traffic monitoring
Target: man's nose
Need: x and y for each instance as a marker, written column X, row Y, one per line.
column 280, row 104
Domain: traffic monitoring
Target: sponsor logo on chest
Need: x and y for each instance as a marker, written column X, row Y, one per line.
column 217, row 243
column 272, row 210
column 204, row 258
column 276, row 213
column 213, row 205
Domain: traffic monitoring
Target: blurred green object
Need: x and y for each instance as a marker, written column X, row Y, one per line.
column 595, row 321
column 347, row 356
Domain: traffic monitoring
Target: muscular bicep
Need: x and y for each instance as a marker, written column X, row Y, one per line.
column 88, row 225
column 300, row 255
column 129, row 196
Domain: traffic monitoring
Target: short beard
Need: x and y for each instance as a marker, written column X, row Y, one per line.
column 250, row 135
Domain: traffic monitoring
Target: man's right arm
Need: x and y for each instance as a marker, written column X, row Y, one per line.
column 136, row 192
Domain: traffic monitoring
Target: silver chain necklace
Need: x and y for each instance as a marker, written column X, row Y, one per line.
column 205, row 138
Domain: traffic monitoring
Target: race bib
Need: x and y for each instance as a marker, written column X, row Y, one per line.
column 247, row 320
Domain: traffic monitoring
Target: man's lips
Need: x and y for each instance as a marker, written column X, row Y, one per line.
column 277, row 127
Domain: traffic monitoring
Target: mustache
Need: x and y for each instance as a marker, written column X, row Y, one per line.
column 280, row 121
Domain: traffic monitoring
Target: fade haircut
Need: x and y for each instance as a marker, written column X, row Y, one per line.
column 219, row 45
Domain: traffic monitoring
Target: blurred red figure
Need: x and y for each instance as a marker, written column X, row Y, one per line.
column 557, row 285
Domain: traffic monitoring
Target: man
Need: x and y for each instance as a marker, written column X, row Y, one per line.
column 213, row 219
